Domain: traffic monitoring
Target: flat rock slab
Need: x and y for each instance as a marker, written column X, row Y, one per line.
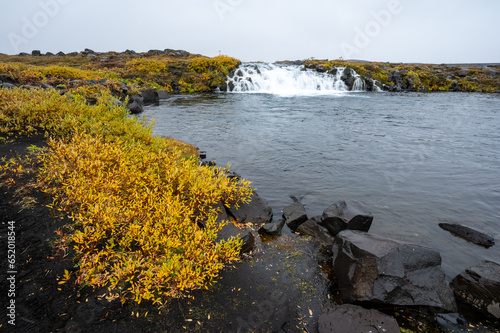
column 256, row 211
column 273, row 228
column 470, row 234
column 479, row 286
column 312, row 228
column 351, row 214
column 348, row 318
column 373, row 268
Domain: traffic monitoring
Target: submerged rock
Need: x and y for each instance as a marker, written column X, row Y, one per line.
column 256, row 211
column 373, row 268
column 351, row 214
column 472, row 235
column 479, row 286
column 348, row 318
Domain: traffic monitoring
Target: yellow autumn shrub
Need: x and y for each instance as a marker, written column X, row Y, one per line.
column 138, row 202
column 221, row 63
column 146, row 66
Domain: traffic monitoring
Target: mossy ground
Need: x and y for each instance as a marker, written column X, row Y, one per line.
column 190, row 73
column 424, row 77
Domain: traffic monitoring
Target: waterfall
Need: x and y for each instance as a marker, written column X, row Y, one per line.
column 290, row 80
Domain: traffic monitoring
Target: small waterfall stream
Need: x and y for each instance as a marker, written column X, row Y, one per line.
column 290, row 80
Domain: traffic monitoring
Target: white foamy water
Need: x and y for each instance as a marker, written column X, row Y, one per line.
column 286, row 80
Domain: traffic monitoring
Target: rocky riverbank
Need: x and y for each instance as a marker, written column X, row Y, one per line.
column 298, row 280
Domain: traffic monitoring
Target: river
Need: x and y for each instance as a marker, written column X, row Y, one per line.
column 415, row 159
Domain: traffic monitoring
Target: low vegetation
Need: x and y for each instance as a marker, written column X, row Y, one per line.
column 426, row 78
column 144, row 222
column 192, row 73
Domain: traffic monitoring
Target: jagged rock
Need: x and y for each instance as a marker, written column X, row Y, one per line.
column 273, row 228
column 256, row 211
column 348, row 318
column 23, row 54
column 150, row 96
column 60, row 54
column 230, row 230
column 373, row 268
column 155, row 52
column 348, row 73
column 311, row 227
column 351, row 214
column 479, row 286
column 294, row 214
column 49, row 54
column 396, row 78
column 176, row 53
column 36, row 53
column 472, row 235
column 320, row 69
column 73, row 53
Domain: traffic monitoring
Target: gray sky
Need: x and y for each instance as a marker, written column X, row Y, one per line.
column 436, row 31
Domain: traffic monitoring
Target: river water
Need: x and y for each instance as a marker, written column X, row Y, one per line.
column 415, row 159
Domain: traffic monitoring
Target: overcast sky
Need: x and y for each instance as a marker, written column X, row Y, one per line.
column 437, row 31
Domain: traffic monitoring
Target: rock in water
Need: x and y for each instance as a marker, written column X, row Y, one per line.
column 472, row 235
column 150, row 96
column 294, row 214
column 479, row 286
column 348, row 318
column 135, row 104
column 256, row 211
column 377, row 269
column 351, row 214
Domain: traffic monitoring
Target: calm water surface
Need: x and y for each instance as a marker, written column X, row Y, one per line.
column 415, row 159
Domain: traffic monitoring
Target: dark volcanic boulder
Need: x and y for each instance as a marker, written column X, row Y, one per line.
column 348, row 318
column 273, row 228
column 150, row 96
column 163, row 94
column 479, row 286
column 472, row 235
column 256, row 211
column 294, row 214
column 351, row 214
column 230, row 230
column 135, row 104
column 396, row 78
column 377, row 269
column 311, row 227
